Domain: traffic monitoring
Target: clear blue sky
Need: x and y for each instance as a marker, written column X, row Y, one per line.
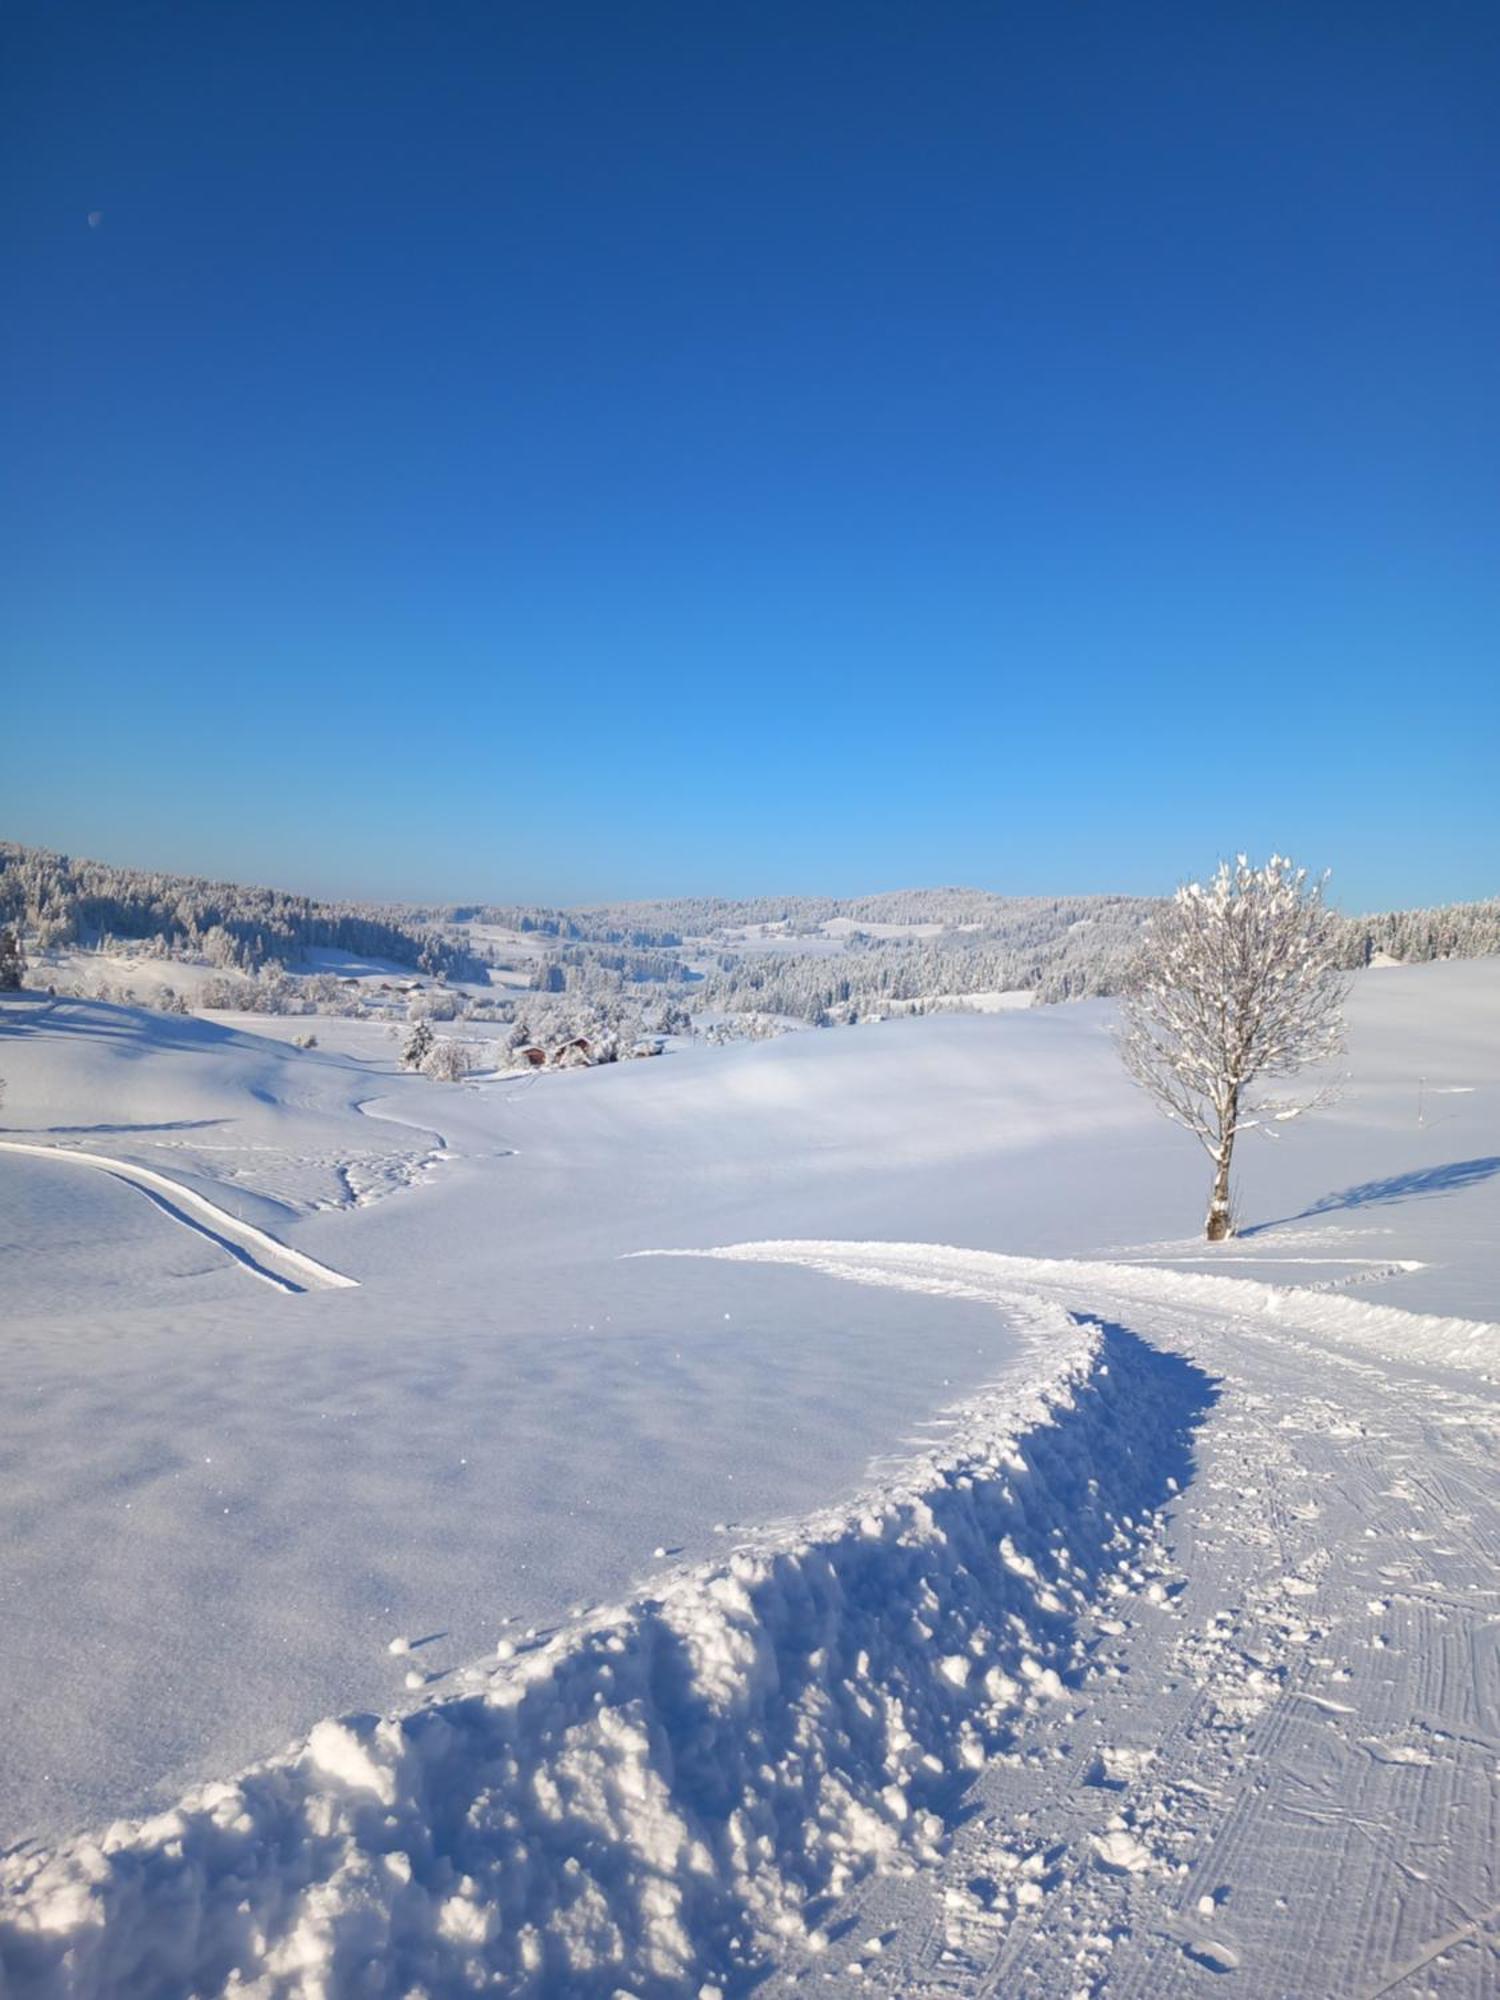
column 565, row 450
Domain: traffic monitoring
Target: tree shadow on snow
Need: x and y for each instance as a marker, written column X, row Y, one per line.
column 1420, row 1184
column 113, row 1021
column 154, row 1125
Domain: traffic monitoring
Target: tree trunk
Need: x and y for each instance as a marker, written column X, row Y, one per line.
column 1219, row 1224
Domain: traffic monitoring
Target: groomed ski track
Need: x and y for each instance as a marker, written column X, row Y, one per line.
column 1170, row 1667
column 253, row 1249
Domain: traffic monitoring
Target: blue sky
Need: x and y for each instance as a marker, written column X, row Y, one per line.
column 578, row 450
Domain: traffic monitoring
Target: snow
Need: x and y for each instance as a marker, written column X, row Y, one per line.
column 1002, row 1000
column 345, row 965
column 1085, row 1593
column 1472, row 1346
column 620, row 1798
column 846, row 927
column 276, row 1263
column 76, row 970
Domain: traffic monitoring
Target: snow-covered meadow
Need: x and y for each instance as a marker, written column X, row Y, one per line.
column 949, row 1577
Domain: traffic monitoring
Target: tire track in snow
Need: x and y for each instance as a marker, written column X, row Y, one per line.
column 255, row 1250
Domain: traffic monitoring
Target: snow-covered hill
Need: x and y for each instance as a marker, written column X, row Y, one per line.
column 1072, row 1610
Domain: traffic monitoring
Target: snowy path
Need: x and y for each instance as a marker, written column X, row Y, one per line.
column 1280, row 1753
column 1178, row 1665
column 253, row 1249
column 941, row 1270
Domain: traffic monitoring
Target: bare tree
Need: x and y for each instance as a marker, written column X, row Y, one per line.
column 1236, row 984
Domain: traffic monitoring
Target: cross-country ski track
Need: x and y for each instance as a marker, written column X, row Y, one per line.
column 1172, row 1664
column 254, row 1250
column 1273, row 1763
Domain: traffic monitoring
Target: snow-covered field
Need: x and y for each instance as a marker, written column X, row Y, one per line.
column 948, row 1577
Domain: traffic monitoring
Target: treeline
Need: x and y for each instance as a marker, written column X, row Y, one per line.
column 608, row 964
column 1458, row 930
column 604, row 962
column 63, row 901
column 613, row 924
column 971, row 920
column 1063, row 950
column 667, row 922
column 1056, row 951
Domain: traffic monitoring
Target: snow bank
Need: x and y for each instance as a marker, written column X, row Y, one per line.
column 659, row 1795
column 1426, row 1338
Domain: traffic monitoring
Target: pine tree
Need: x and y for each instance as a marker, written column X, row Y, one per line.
column 12, row 962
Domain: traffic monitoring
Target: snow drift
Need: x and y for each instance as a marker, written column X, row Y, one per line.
column 663, row 1794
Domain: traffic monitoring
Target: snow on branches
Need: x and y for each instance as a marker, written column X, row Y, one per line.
column 1236, row 984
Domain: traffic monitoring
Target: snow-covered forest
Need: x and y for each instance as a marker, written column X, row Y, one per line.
column 62, row 901
column 621, row 971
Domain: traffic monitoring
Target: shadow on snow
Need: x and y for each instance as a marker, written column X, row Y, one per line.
column 1420, row 1184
